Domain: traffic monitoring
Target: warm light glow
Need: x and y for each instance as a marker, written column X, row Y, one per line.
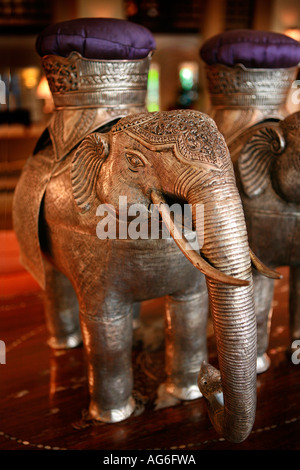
column 30, row 76
column 289, row 14
column 131, row 8
column 43, row 93
column 293, row 33
column 43, row 90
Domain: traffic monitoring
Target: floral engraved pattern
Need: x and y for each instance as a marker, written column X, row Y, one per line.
column 118, row 74
column 240, row 86
column 237, row 79
column 61, row 76
column 193, row 134
column 76, row 73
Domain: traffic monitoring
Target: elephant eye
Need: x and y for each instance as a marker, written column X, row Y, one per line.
column 134, row 161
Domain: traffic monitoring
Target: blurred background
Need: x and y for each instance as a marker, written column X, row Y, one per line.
column 176, row 78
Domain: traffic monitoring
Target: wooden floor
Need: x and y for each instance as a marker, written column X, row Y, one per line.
column 43, row 394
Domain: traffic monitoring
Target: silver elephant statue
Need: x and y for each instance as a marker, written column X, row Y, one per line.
column 153, row 159
column 250, row 75
column 267, row 164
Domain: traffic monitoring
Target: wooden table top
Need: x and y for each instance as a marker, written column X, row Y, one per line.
column 44, row 397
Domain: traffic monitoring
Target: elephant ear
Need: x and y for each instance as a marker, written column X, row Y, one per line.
column 256, row 159
column 85, row 168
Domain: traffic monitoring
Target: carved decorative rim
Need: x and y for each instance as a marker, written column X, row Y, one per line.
column 76, row 81
column 239, row 86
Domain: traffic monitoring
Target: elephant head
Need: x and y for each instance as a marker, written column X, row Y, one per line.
column 270, row 157
column 154, row 158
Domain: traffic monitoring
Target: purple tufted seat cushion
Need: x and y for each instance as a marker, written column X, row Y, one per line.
column 96, row 38
column 253, row 49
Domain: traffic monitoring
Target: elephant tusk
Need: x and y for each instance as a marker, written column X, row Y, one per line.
column 186, row 248
column 263, row 269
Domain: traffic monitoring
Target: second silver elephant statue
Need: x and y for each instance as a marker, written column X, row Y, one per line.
column 267, row 164
column 151, row 158
column 250, row 75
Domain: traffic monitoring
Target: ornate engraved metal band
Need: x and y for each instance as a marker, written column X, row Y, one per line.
column 78, row 82
column 194, row 135
column 241, row 87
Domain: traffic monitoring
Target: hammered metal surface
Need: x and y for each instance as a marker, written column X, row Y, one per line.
column 179, row 154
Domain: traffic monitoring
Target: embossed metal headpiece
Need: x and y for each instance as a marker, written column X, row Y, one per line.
column 248, row 68
column 78, row 82
column 96, row 62
column 242, row 87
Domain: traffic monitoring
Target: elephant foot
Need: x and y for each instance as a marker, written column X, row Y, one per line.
column 69, row 342
column 263, row 363
column 190, row 392
column 114, row 415
column 171, row 395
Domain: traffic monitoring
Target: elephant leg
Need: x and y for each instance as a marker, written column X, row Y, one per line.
column 136, row 315
column 61, row 310
column 263, row 297
column 186, row 323
column 107, row 339
column 295, row 302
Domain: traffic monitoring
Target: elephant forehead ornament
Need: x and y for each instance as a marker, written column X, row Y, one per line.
column 250, row 74
column 194, row 137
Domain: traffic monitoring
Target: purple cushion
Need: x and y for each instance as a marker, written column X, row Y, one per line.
column 253, row 49
column 96, row 38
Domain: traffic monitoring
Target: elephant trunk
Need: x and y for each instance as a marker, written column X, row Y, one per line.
column 230, row 394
